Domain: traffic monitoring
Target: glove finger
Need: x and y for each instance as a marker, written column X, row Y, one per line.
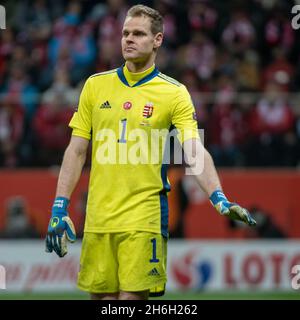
column 243, row 215
column 70, row 229
column 248, row 219
column 63, row 245
column 236, row 213
column 55, row 245
column 49, row 247
column 252, row 222
column 59, row 247
column 52, row 242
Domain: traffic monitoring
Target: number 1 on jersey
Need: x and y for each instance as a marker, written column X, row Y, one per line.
column 122, row 139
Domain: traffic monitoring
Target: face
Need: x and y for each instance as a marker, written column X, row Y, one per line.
column 138, row 42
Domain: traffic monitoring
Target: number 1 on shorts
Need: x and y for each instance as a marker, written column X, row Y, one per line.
column 154, row 259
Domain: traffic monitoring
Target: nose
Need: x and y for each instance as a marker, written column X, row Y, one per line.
column 129, row 38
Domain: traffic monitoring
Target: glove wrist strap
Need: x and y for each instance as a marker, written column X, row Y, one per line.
column 217, row 196
column 60, row 205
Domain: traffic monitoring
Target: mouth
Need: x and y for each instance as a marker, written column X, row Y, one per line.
column 128, row 49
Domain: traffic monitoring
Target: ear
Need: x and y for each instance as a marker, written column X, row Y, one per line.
column 158, row 39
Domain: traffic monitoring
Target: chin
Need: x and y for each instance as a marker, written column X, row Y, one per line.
column 130, row 57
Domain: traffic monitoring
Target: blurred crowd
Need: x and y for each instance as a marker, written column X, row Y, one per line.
column 240, row 60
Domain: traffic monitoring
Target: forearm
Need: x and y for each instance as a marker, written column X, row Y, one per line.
column 202, row 166
column 208, row 180
column 70, row 172
column 61, row 228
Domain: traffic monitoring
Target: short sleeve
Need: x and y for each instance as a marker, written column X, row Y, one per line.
column 81, row 122
column 184, row 116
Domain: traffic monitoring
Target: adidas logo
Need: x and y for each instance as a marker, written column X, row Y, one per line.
column 105, row 105
column 153, row 272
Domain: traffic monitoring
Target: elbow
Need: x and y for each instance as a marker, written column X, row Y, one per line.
column 195, row 155
column 207, row 155
column 76, row 151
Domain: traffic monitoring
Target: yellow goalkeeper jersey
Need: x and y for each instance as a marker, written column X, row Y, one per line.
column 127, row 116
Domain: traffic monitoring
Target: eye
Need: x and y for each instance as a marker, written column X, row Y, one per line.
column 139, row 33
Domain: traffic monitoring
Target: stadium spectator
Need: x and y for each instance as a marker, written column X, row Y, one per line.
column 109, row 30
column 11, row 130
column 61, row 86
column 198, row 54
column 202, row 16
column 18, row 85
column 247, row 71
column 7, row 44
column 72, row 47
column 51, row 127
column 167, row 9
column 239, row 35
column 228, row 128
column 278, row 31
column 253, row 45
column 18, row 224
column 270, row 122
column 280, row 70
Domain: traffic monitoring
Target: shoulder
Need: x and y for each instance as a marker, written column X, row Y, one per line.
column 100, row 79
column 105, row 73
column 169, row 80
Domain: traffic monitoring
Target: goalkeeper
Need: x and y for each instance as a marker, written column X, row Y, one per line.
column 124, row 247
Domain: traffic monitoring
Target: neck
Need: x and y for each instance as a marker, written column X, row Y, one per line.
column 140, row 66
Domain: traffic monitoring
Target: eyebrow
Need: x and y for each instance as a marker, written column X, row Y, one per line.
column 134, row 30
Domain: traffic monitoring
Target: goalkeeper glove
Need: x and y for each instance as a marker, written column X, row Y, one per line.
column 230, row 209
column 60, row 228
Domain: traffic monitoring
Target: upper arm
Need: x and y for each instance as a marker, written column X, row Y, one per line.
column 81, row 122
column 183, row 116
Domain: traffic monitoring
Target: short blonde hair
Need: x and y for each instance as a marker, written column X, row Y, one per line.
column 155, row 17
